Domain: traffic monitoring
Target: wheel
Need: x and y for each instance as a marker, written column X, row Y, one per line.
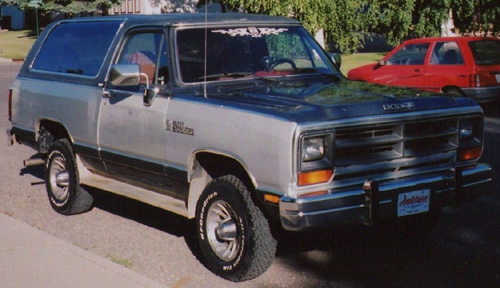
column 61, row 180
column 455, row 92
column 233, row 234
column 281, row 61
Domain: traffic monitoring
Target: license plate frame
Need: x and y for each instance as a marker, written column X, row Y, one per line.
column 413, row 202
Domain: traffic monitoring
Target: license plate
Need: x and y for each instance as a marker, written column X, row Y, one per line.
column 415, row 202
column 498, row 77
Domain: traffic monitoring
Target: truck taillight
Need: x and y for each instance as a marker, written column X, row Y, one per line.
column 475, row 80
column 10, row 104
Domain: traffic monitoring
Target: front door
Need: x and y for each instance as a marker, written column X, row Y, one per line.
column 132, row 135
column 406, row 67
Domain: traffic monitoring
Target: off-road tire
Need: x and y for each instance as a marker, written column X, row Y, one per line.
column 66, row 196
column 233, row 234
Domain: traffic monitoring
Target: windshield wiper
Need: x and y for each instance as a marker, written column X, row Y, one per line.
column 222, row 75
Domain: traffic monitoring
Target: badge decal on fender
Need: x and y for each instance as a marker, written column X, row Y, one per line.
column 400, row 106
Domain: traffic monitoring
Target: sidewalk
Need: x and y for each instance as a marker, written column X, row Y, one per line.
column 32, row 258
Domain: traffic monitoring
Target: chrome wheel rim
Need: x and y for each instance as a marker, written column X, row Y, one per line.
column 59, row 178
column 222, row 230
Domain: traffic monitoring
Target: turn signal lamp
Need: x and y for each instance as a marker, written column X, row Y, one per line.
column 271, row 198
column 469, row 153
column 314, row 177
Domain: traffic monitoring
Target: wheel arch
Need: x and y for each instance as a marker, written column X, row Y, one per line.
column 453, row 89
column 206, row 165
column 48, row 131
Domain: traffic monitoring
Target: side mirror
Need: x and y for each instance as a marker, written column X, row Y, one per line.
column 125, row 75
column 130, row 75
column 336, row 58
column 149, row 95
column 382, row 62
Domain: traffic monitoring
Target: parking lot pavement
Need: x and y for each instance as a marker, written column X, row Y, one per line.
column 32, row 258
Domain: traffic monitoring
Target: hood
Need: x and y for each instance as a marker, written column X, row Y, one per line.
column 312, row 101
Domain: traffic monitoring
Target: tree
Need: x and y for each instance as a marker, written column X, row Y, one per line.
column 476, row 16
column 338, row 18
column 71, row 7
column 397, row 20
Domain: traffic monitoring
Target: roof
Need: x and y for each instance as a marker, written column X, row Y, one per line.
column 187, row 19
column 454, row 38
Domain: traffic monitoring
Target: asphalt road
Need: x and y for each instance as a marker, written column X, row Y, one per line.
column 462, row 251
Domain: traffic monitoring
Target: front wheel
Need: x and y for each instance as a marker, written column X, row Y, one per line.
column 234, row 235
column 61, row 180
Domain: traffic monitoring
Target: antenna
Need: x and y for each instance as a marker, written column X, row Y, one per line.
column 206, row 45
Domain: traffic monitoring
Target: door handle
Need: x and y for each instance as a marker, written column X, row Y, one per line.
column 106, row 94
column 417, row 70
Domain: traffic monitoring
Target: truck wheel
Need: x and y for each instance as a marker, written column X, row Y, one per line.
column 234, row 235
column 61, row 180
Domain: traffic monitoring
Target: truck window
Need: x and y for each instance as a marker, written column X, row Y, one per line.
column 146, row 50
column 245, row 51
column 76, row 48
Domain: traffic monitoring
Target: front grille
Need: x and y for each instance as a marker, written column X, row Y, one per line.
column 394, row 150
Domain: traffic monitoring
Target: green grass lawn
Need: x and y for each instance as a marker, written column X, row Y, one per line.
column 16, row 44
column 359, row 59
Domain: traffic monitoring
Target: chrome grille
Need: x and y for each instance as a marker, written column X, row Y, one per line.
column 393, row 150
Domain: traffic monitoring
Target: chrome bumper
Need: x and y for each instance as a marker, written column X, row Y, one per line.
column 360, row 205
column 483, row 94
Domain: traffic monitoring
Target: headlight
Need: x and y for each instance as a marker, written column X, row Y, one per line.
column 470, row 135
column 313, row 148
column 465, row 129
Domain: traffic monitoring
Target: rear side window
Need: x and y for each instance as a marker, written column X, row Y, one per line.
column 485, row 52
column 446, row 53
column 76, row 47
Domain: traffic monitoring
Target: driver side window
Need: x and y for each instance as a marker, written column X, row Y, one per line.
column 411, row 54
column 147, row 49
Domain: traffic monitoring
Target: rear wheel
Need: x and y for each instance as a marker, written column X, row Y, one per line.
column 455, row 92
column 61, row 180
column 234, row 235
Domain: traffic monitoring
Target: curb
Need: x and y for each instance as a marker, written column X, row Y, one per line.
column 33, row 258
column 7, row 60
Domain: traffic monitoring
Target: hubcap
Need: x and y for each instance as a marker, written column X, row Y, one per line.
column 222, row 231
column 59, row 178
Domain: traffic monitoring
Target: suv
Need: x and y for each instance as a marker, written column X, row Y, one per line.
column 240, row 121
column 467, row 66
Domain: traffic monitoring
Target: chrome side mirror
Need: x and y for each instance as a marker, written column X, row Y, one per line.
column 122, row 75
column 125, row 75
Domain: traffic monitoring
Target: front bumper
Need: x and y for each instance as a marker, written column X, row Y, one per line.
column 356, row 206
column 483, row 94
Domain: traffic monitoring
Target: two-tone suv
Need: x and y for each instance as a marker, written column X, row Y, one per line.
column 239, row 121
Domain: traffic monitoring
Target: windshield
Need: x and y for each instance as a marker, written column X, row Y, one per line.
column 247, row 52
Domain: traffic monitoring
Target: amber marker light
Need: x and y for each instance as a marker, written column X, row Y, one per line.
column 314, row 177
column 469, row 153
column 271, row 198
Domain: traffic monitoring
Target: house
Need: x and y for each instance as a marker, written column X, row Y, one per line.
column 12, row 17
